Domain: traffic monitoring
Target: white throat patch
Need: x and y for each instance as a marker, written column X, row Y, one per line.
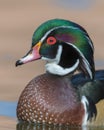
column 53, row 67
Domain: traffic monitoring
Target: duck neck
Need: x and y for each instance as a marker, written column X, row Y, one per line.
column 68, row 76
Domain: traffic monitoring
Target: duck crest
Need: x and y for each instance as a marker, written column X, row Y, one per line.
column 49, row 25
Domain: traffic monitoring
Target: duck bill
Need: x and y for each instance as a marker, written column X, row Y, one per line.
column 32, row 55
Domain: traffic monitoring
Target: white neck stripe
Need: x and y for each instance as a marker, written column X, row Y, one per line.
column 54, row 68
column 84, row 59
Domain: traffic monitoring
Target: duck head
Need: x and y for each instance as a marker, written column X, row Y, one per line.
column 65, row 46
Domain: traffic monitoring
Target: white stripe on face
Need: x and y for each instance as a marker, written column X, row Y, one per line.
column 70, row 27
column 56, row 69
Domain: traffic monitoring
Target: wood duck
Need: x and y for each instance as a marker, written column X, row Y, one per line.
column 59, row 96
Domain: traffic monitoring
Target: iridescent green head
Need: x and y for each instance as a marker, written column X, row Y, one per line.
column 65, row 46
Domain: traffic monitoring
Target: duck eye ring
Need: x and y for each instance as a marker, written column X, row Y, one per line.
column 51, row 40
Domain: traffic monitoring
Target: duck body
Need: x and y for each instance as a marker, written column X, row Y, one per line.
column 61, row 100
column 59, row 96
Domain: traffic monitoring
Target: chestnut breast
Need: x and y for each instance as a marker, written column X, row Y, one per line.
column 51, row 99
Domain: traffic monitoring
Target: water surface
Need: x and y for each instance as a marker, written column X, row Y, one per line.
column 8, row 108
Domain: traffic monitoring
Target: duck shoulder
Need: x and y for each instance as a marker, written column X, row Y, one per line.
column 93, row 89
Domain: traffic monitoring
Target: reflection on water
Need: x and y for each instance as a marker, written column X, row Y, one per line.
column 27, row 126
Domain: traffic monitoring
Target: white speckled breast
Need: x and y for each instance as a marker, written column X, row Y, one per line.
column 50, row 99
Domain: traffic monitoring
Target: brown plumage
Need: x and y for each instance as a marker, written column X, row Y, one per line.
column 51, row 99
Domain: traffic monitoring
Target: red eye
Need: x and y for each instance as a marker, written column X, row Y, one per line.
column 51, row 40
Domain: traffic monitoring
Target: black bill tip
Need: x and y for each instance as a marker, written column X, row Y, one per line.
column 18, row 62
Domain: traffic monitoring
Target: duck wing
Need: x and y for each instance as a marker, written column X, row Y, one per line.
column 93, row 89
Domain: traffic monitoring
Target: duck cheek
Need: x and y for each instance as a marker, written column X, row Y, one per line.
column 49, row 52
